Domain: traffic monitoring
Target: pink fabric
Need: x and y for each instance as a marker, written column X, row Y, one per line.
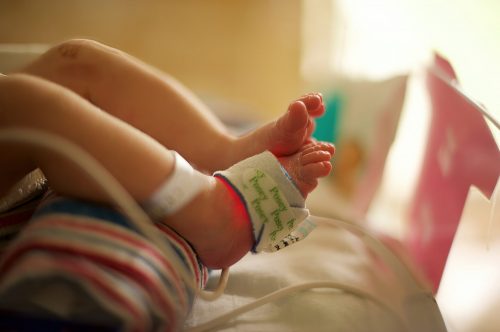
column 460, row 152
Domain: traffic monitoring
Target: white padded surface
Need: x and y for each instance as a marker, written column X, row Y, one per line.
column 327, row 254
column 14, row 56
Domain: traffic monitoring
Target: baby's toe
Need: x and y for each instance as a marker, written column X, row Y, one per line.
column 312, row 172
column 314, row 104
column 315, row 157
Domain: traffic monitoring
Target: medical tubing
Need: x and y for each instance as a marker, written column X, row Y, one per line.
column 401, row 270
column 276, row 295
column 140, row 219
column 116, row 192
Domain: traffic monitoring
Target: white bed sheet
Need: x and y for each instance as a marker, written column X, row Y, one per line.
column 327, row 254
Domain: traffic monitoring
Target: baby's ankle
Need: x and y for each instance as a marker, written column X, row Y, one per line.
column 215, row 225
column 204, row 211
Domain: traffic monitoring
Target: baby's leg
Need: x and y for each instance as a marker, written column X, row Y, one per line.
column 216, row 222
column 160, row 106
column 218, row 230
column 136, row 160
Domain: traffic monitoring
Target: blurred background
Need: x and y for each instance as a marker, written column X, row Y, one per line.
column 249, row 59
column 257, row 54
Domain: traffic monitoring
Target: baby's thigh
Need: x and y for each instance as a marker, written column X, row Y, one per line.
column 15, row 162
column 29, row 102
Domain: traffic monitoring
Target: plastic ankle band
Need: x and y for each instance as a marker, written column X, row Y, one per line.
column 274, row 204
column 178, row 190
column 302, row 230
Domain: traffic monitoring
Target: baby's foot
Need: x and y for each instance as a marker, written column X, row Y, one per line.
column 284, row 136
column 216, row 222
column 311, row 162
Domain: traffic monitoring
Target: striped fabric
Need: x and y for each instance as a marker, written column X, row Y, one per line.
column 82, row 263
column 12, row 222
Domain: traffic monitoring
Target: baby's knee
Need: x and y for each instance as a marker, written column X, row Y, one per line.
column 75, row 49
column 72, row 49
column 72, row 56
column 85, row 51
column 76, row 63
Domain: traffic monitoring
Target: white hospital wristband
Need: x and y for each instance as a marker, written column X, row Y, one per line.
column 183, row 184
